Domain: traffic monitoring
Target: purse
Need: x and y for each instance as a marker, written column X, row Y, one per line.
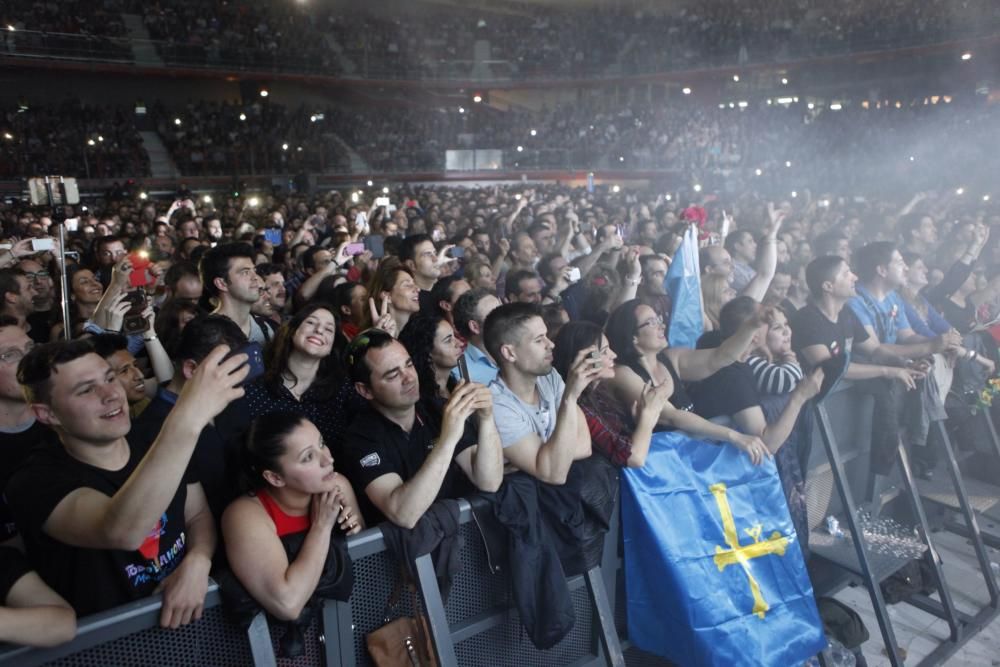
column 402, row 642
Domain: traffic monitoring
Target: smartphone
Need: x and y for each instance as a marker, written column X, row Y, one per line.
column 573, row 275
column 463, row 368
column 42, row 245
column 458, row 252
column 377, row 246
column 134, row 321
column 273, row 236
column 382, row 201
column 354, row 249
column 255, row 360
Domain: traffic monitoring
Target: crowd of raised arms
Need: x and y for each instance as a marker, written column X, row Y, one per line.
column 246, row 368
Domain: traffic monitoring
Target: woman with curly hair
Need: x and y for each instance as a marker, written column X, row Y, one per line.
column 302, row 372
column 435, row 349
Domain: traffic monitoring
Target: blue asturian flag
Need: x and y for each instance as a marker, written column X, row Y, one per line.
column 713, row 574
column 683, row 284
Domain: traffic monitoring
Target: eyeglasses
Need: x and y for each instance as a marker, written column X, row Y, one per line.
column 655, row 322
column 36, row 276
column 14, row 356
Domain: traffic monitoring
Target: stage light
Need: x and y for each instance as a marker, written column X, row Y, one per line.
column 243, row 116
column 253, row 202
column 960, row 191
column 736, row 78
column 784, row 81
column 794, row 194
column 177, row 121
column 385, row 190
column 697, row 187
column 520, row 148
column 836, row 106
column 534, row 133
column 11, row 28
column 143, row 196
column 966, row 56
column 615, row 189
column 477, row 99
column 912, row 159
column 284, row 147
column 517, row 196
column 621, row 158
column 686, row 90
column 91, row 142
column 354, row 197
column 722, row 106
column 461, row 109
column 207, row 199
column 669, row 197
column 100, row 139
column 810, row 106
column 298, row 149
column 986, row 197
column 370, row 183
column 263, row 92
column 759, row 172
column 788, row 163
column 743, row 104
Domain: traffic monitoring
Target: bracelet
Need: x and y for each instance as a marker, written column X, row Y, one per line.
column 633, row 281
column 149, row 338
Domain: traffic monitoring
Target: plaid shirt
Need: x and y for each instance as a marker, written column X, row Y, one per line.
column 610, row 426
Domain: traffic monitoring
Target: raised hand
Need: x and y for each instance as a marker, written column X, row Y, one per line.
column 382, row 320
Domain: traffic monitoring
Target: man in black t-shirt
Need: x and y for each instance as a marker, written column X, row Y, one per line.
column 396, row 451
column 106, row 521
column 825, row 328
column 19, row 430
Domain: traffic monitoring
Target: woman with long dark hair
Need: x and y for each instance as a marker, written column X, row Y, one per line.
column 302, row 372
column 431, row 341
column 621, row 433
column 638, row 336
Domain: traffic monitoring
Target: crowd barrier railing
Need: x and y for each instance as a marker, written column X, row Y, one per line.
column 475, row 625
column 845, row 416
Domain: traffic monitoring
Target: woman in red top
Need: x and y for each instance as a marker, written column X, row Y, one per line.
column 296, row 491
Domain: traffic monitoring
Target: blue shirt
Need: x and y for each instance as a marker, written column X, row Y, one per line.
column 887, row 317
column 934, row 326
column 481, row 367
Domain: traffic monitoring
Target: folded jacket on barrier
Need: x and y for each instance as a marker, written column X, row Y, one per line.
column 712, row 572
column 542, row 522
column 436, row 533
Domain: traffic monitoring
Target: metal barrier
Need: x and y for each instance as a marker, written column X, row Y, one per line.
column 476, row 626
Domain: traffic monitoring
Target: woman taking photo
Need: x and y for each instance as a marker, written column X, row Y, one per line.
column 638, row 337
column 620, row 433
column 285, row 538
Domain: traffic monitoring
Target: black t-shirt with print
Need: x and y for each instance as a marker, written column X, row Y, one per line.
column 15, row 446
column 91, row 580
column 374, row 446
column 811, row 327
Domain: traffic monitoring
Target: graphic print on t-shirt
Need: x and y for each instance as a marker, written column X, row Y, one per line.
column 158, row 563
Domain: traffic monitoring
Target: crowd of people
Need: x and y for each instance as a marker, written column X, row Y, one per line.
column 245, row 386
column 391, row 39
column 85, row 141
column 866, row 144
